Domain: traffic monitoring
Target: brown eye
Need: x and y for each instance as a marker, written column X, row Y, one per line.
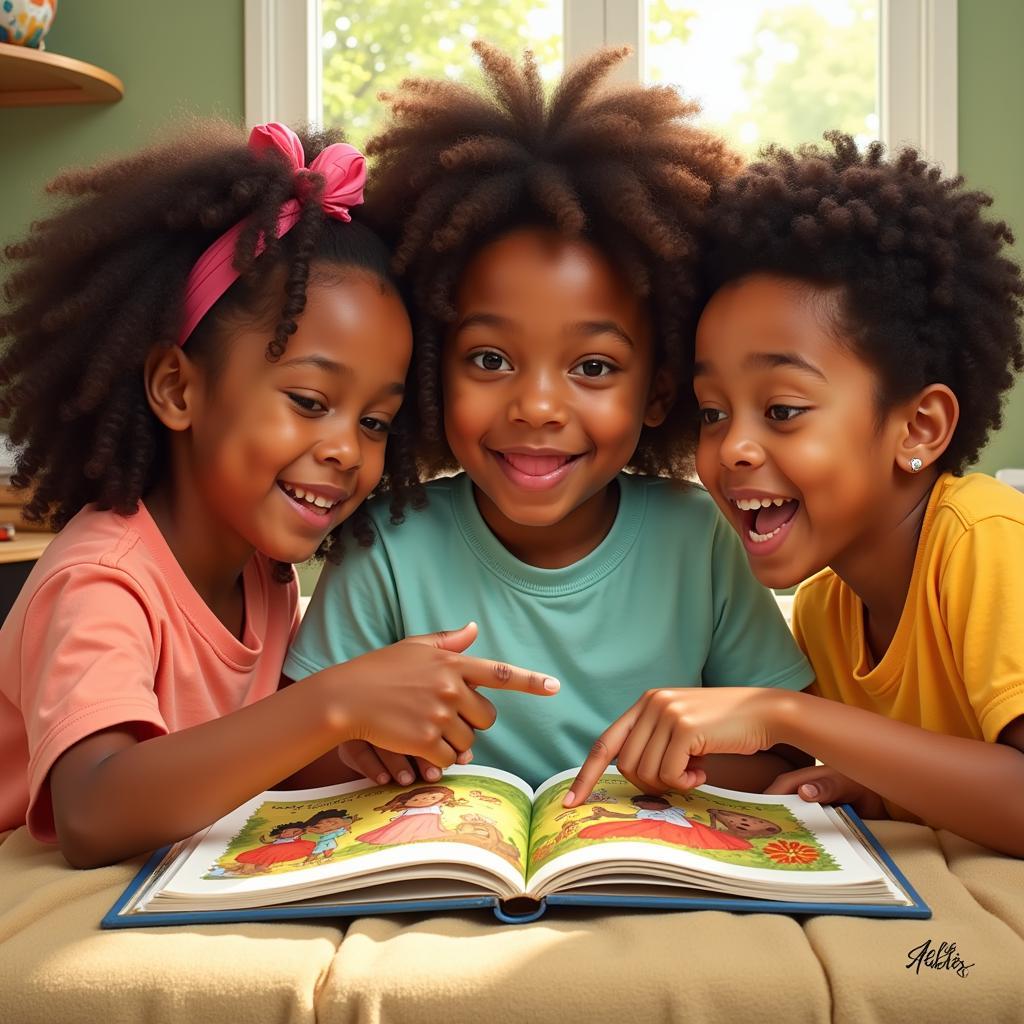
column 784, row 413
column 490, row 361
column 305, row 402
column 593, row 368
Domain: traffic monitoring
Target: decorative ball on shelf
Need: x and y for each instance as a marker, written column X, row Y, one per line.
column 25, row 22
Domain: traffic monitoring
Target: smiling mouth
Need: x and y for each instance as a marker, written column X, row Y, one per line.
column 316, row 503
column 536, row 465
column 764, row 518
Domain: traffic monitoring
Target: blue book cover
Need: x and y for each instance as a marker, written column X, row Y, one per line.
column 481, row 839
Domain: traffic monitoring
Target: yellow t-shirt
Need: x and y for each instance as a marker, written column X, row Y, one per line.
column 956, row 663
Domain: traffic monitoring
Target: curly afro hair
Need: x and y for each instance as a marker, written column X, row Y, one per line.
column 624, row 169
column 927, row 294
column 102, row 282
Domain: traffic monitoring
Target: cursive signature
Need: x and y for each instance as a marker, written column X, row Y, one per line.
column 944, row 957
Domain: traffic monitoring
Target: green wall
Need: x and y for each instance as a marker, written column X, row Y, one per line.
column 175, row 59
column 991, row 84
column 187, row 57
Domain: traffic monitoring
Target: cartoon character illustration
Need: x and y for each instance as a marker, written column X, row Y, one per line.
column 418, row 818
column 738, row 823
column 482, row 831
column 657, row 818
column 285, row 842
column 478, row 795
column 328, row 826
column 569, row 829
column 599, row 796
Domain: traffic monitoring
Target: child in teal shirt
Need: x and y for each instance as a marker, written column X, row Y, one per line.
column 666, row 599
column 552, row 317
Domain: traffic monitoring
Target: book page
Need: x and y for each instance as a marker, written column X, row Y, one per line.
column 283, row 841
column 749, row 841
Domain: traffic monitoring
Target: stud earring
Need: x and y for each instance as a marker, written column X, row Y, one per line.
column 916, row 465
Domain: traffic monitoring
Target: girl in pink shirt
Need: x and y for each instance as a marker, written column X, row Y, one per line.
column 205, row 357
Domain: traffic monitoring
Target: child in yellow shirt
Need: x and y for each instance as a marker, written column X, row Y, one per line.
column 850, row 363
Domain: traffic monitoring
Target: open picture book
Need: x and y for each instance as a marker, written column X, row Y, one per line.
column 483, row 838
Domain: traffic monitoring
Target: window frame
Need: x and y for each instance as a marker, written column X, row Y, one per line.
column 917, row 65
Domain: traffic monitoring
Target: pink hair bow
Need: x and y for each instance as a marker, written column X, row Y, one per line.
column 343, row 169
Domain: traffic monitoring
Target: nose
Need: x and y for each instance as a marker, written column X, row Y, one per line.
column 739, row 447
column 340, row 445
column 538, row 401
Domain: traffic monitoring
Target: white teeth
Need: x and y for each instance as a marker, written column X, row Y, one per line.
column 760, row 538
column 308, row 498
column 749, row 504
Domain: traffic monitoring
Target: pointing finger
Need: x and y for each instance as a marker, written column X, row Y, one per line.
column 603, row 752
column 501, row 676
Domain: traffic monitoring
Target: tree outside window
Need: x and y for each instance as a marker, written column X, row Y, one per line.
column 765, row 70
column 771, row 70
column 368, row 48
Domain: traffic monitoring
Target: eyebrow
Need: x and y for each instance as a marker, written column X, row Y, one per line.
column 591, row 328
column 769, row 361
column 585, row 328
column 320, row 362
column 330, row 366
column 483, row 320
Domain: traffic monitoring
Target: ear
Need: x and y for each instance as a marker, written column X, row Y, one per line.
column 661, row 397
column 927, row 427
column 172, row 385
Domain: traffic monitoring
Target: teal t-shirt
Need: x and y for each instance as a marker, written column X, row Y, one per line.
column 666, row 599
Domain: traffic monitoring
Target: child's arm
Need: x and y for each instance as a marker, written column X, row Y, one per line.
column 114, row 796
column 824, row 785
column 751, row 641
column 750, row 773
column 969, row 786
column 327, row 770
column 355, row 608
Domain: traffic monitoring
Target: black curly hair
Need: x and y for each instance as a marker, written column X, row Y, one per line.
column 333, row 812
column 101, row 283
column 927, row 293
column 625, row 169
column 284, row 826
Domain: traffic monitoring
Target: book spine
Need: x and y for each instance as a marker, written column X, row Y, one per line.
column 508, row 913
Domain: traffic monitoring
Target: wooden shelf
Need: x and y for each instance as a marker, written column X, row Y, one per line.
column 34, row 78
column 26, row 547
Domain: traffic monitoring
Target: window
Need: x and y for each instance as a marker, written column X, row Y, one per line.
column 770, row 70
column 369, row 47
column 765, row 70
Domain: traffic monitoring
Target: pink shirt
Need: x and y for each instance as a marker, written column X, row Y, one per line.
column 108, row 631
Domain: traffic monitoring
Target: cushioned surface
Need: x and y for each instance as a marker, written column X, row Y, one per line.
column 55, row 963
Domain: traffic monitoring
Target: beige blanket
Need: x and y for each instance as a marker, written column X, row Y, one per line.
column 56, row 965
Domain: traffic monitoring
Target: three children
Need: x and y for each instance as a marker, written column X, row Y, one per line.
column 861, row 324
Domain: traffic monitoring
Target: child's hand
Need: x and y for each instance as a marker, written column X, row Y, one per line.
column 384, row 765
column 656, row 739
column 419, row 696
column 823, row 785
